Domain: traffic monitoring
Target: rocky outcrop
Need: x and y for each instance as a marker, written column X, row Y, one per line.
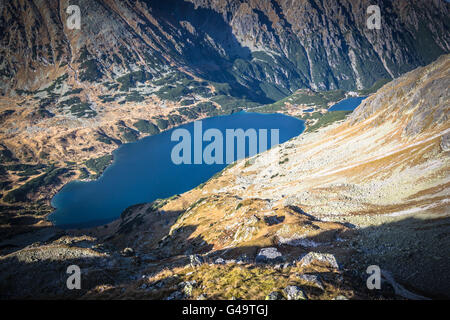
column 269, row 255
column 266, row 48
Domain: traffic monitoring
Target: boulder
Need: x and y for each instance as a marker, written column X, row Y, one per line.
column 340, row 297
column 219, row 261
column 128, row 252
column 270, row 254
column 326, row 258
column 312, row 279
column 294, row 293
column 195, row 260
column 187, row 287
column 275, row 295
column 176, row 295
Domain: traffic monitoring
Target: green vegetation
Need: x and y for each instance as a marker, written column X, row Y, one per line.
column 5, row 114
column 43, row 155
column 374, row 88
column 82, row 110
column 111, row 85
column 101, row 137
column 5, row 185
column 222, row 88
column 194, row 112
column 162, row 124
column 232, row 104
column 90, row 71
column 98, row 165
column 47, row 179
column 313, row 115
column 328, row 118
column 173, row 78
column 134, row 96
column 55, row 85
column 131, row 79
column 130, row 210
column 177, row 85
column 24, row 92
column 320, row 99
column 172, row 93
column 146, row 127
column 6, row 156
column 69, row 102
column 107, row 98
column 128, row 134
column 84, row 174
column 187, row 102
column 26, row 170
column 74, row 91
column 159, row 203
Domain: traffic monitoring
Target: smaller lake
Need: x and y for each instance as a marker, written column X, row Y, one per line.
column 144, row 171
column 348, row 104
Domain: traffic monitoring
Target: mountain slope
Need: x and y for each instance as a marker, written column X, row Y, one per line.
column 373, row 189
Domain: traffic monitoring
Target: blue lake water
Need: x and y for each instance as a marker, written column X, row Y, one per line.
column 347, row 104
column 143, row 172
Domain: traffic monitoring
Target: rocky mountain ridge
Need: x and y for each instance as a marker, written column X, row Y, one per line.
column 262, row 49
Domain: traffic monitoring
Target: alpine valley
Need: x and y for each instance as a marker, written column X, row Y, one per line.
column 356, row 189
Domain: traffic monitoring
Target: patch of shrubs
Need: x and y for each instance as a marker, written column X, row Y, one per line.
column 26, row 170
column 50, row 178
column 98, row 165
column 129, row 80
column 134, row 97
column 82, row 110
column 145, row 126
column 162, row 124
column 90, row 71
column 129, row 135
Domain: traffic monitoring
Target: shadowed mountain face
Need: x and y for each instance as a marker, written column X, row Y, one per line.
column 263, row 49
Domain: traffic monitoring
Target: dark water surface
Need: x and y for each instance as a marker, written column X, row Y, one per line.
column 143, row 172
column 347, row 104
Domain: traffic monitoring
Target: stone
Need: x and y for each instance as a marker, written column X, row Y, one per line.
column 270, row 254
column 273, row 220
column 327, row 258
column 275, row 295
column 195, row 260
column 242, row 259
column 187, row 287
column 176, row 295
column 295, row 293
column 312, row 279
column 128, row 252
column 219, row 261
